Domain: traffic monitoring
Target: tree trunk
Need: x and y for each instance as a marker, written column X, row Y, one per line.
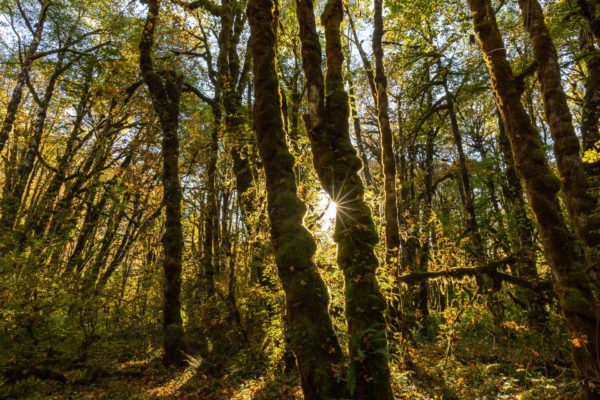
column 208, row 261
column 427, row 227
column 165, row 91
column 17, row 93
column 477, row 248
column 363, row 57
column 521, row 234
column 13, row 200
column 310, row 329
column 570, row 281
column 392, row 228
column 337, row 166
column 40, row 216
column 580, row 204
column 590, row 109
column 358, row 133
column 589, row 11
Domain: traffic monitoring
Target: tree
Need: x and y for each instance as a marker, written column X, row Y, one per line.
column 580, row 204
column 337, row 166
column 165, row 90
column 570, row 280
column 392, row 229
column 312, row 337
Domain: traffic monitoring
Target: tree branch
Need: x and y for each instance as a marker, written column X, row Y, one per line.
column 491, row 269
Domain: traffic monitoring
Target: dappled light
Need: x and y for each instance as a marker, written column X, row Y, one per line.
column 273, row 200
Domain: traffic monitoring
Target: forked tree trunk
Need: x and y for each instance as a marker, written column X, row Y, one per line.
column 338, row 166
column 310, row 329
column 581, row 206
column 570, row 281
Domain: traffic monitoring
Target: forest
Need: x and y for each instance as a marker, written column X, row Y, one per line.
column 275, row 199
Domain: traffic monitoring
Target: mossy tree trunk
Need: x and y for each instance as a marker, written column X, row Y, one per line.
column 392, row 228
column 589, row 11
column 310, row 329
column 581, row 206
column 165, row 90
column 338, row 166
column 570, row 280
column 521, row 232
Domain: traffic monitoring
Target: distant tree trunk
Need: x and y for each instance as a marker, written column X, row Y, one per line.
column 358, row 133
column 590, row 110
column 17, row 93
column 392, row 228
column 231, row 82
column 337, row 166
column 208, row 261
column 580, row 204
column 40, row 216
column 165, row 91
column 427, row 231
column 521, row 233
column 310, row 329
column 363, row 57
column 589, row 11
column 570, row 280
column 76, row 260
column 90, row 169
column 477, row 248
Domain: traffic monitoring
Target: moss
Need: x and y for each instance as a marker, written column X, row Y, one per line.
column 552, row 181
column 294, row 249
column 573, row 301
column 310, row 331
column 287, row 200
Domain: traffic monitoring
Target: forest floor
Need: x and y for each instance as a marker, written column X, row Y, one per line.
column 472, row 368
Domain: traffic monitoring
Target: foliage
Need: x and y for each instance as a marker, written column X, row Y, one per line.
column 81, row 281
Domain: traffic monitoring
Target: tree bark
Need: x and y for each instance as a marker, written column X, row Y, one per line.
column 570, row 280
column 337, row 166
column 310, row 329
column 392, row 228
column 165, row 91
column 580, row 203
